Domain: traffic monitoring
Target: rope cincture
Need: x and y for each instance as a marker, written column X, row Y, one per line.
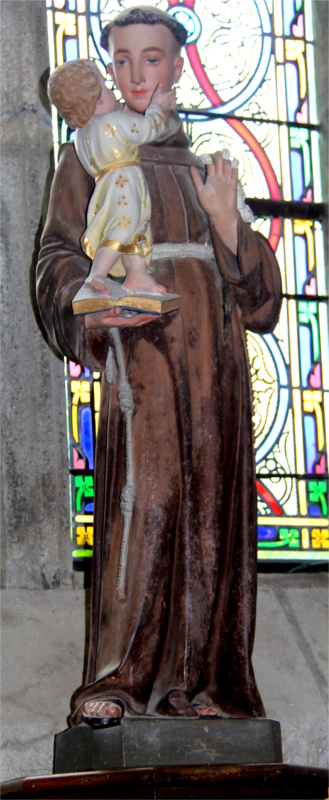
column 128, row 492
column 183, row 250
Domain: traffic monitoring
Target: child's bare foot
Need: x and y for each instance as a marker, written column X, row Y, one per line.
column 98, row 283
column 135, row 282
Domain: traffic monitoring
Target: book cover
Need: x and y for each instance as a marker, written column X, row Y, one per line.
column 87, row 301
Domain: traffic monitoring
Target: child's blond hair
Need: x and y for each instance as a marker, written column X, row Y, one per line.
column 74, row 89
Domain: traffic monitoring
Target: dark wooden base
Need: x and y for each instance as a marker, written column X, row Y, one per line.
column 165, row 742
column 234, row 781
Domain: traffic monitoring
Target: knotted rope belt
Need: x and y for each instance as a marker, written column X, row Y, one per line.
column 183, row 250
column 128, row 492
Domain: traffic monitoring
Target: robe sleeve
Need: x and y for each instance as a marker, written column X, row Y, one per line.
column 253, row 276
column 62, row 266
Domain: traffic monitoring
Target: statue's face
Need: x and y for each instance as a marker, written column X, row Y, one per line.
column 142, row 57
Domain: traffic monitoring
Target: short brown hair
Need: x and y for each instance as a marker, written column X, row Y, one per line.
column 74, row 89
column 145, row 15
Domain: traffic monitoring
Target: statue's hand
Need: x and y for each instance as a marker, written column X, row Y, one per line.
column 218, row 196
column 112, row 319
column 166, row 100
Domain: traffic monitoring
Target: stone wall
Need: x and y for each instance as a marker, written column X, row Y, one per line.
column 35, row 508
column 35, row 504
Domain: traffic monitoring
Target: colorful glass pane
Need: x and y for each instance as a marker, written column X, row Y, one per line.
column 248, row 85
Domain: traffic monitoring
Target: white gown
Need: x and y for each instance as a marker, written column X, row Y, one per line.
column 119, row 210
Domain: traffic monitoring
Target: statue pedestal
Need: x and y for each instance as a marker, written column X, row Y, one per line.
column 148, row 742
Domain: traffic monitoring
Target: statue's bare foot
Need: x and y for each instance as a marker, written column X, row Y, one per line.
column 135, row 282
column 99, row 284
column 206, row 711
column 101, row 713
column 179, row 706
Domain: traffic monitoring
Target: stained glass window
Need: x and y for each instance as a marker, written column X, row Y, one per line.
column 248, row 85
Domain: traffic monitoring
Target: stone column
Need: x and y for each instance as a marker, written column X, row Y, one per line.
column 35, row 496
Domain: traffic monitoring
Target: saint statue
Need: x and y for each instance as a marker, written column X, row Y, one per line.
column 178, row 640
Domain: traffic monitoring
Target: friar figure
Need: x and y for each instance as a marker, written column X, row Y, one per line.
column 179, row 640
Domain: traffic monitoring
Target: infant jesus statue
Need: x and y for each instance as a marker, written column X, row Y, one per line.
column 106, row 143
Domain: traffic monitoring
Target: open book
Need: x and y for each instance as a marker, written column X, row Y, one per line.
column 87, row 301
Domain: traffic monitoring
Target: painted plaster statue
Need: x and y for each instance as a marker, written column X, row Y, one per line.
column 106, row 142
column 179, row 640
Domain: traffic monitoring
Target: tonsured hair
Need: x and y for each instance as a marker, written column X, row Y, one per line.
column 74, row 89
column 144, row 15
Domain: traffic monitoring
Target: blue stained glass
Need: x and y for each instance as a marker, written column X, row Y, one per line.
column 87, row 436
column 305, row 343
column 310, row 438
column 86, row 372
column 314, row 511
column 96, row 32
column 296, row 161
column 292, row 91
column 277, row 355
column 71, row 5
column 190, row 21
column 264, row 16
column 71, row 49
column 89, row 508
column 265, row 534
column 301, row 263
column 194, row 117
column 288, row 16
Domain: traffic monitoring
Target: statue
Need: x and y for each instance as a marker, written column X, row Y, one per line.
column 178, row 641
column 106, row 140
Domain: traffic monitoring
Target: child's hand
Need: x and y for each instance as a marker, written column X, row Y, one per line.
column 218, row 195
column 166, row 100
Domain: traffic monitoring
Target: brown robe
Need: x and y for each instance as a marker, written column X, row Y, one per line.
column 186, row 623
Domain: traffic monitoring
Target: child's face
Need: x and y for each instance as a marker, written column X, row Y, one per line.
column 106, row 102
column 142, row 57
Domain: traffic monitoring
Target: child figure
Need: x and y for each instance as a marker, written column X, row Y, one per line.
column 106, row 143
